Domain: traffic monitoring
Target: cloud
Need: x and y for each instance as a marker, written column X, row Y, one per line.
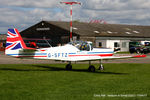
column 24, row 13
column 116, row 4
column 31, row 3
column 118, row 11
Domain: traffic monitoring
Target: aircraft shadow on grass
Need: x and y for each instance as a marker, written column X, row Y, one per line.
column 51, row 68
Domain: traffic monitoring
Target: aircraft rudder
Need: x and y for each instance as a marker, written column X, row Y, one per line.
column 14, row 40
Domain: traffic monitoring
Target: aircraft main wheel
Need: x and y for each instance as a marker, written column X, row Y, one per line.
column 91, row 68
column 68, row 67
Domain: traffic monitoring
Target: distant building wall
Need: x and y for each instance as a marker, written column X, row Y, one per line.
column 2, row 41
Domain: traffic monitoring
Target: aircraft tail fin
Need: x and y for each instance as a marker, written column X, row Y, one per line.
column 14, row 41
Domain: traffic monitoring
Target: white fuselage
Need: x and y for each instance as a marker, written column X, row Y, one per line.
column 60, row 52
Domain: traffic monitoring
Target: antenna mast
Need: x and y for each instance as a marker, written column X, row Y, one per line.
column 71, row 3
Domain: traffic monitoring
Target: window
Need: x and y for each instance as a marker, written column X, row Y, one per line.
column 124, row 44
column 116, row 44
column 100, row 44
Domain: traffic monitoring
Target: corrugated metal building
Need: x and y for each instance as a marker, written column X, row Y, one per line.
column 102, row 35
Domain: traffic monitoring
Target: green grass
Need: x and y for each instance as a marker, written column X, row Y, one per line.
column 53, row 82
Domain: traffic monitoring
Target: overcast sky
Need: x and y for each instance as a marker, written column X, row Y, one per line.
column 22, row 14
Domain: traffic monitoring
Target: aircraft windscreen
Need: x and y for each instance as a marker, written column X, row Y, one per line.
column 82, row 45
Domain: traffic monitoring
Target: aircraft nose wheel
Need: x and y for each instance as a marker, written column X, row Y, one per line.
column 68, row 67
column 101, row 67
column 91, row 68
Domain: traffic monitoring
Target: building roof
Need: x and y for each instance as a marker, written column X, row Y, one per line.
column 105, row 30
column 60, row 28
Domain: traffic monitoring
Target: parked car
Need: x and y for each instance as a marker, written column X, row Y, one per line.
column 139, row 49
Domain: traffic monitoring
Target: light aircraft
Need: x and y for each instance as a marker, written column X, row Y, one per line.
column 71, row 52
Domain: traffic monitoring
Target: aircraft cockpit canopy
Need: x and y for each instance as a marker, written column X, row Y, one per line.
column 82, row 45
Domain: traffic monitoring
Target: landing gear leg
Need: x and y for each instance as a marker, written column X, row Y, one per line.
column 101, row 67
column 91, row 67
column 69, row 66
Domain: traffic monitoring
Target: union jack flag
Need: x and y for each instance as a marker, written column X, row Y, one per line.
column 14, row 40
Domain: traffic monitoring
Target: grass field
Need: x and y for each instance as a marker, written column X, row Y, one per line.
column 53, row 82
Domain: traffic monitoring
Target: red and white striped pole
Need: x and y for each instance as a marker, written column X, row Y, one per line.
column 71, row 3
column 71, row 23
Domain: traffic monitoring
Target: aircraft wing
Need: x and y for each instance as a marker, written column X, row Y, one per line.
column 83, row 58
column 92, row 58
column 119, row 57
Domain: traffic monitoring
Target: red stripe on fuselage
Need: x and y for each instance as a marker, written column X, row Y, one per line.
column 102, row 55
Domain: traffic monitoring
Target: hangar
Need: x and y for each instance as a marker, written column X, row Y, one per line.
column 102, row 35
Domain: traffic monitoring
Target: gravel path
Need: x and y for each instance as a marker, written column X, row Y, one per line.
column 11, row 60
